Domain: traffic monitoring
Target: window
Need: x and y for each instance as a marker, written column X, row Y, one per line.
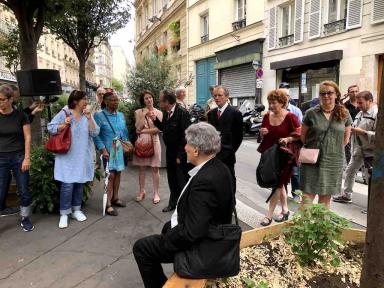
column 241, row 9
column 287, row 19
column 204, row 28
column 146, row 15
column 165, row 37
column 337, row 10
column 178, row 72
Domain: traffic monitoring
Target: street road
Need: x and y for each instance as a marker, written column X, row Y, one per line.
column 251, row 206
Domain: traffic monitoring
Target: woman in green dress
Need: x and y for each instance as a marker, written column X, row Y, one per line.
column 326, row 126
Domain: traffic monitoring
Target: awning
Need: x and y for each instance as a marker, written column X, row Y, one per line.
column 238, row 61
column 306, row 60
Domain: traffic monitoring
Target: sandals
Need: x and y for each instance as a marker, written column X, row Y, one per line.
column 266, row 221
column 112, row 212
column 282, row 217
column 141, row 197
column 156, row 200
column 119, row 203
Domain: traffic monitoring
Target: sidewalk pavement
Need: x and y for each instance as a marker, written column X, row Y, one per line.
column 94, row 253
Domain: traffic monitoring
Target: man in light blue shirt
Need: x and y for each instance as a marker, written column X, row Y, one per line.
column 295, row 179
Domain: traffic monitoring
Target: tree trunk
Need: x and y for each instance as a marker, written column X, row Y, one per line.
column 372, row 275
column 82, row 73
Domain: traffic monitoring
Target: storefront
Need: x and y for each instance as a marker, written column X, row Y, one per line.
column 7, row 78
column 236, row 71
column 304, row 74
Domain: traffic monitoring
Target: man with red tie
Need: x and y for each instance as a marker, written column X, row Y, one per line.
column 229, row 122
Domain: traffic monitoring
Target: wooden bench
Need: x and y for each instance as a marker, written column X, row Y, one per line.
column 254, row 237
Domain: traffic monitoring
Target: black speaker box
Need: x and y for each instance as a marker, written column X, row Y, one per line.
column 39, row 82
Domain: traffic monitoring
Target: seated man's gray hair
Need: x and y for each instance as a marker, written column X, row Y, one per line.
column 204, row 137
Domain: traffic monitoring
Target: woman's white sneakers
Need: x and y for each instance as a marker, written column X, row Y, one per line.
column 78, row 215
column 63, row 221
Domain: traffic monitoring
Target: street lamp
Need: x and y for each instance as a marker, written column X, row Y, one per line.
column 258, row 82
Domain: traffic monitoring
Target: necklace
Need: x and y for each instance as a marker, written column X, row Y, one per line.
column 327, row 111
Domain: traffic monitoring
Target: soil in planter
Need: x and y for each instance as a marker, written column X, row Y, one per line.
column 274, row 263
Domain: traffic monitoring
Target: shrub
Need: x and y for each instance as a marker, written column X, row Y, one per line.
column 315, row 234
column 44, row 188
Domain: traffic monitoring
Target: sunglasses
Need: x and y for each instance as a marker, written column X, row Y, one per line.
column 328, row 93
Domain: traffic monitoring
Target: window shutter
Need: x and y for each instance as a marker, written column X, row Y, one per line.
column 377, row 11
column 272, row 29
column 354, row 13
column 314, row 19
column 299, row 21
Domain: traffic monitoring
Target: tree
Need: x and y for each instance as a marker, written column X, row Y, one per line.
column 84, row 24
column 30, row 16
column 373, row 266
column 153, row 74
column 117, row 85
column 9, row 49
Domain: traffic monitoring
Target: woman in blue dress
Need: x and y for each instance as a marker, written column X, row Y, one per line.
column 112, row 129
column 75, row 167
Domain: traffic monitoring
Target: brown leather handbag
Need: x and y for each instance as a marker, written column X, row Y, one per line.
column 144, row 147
column 60, row 143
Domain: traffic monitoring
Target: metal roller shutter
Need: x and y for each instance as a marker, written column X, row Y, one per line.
column 240, row 80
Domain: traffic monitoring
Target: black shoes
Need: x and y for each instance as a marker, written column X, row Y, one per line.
column 169, row 208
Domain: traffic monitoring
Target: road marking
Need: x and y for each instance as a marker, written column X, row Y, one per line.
column 248, row 215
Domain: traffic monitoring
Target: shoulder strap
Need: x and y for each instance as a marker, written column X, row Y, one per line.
column 109, row 122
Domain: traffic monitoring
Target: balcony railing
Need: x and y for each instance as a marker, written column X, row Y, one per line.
column 286, row 40
column 335, row 27
column 239, row 24
column 204, row 38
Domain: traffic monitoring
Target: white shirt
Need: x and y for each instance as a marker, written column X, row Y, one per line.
column 170, row 113
column 191, row 173
column 222, row 109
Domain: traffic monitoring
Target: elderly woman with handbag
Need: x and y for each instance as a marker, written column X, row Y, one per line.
column 75, row 167
column 147, row 146
column 110, row 141
column 325, row 132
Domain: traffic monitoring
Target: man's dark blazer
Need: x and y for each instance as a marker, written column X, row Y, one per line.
column 174, row 130
column 230, row 126
column 208, row 200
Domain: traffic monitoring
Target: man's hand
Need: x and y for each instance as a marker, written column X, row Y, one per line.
column 358, row 130
column 38, row 109
column 178, row 160
column 34, row 105
column 25, row 165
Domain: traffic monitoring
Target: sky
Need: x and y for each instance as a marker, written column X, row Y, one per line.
column 125, row 39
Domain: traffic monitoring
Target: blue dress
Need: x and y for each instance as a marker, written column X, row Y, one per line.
column 76, row 166
column 107, row 137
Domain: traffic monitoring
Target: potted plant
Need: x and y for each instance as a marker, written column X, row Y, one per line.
column 162, row 50
column 174, row 26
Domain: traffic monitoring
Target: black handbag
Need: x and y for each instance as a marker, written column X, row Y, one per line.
column 216, row 256
column 269, row 169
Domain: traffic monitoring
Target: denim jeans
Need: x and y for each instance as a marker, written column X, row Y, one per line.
column 71, row 196
column 13, row 163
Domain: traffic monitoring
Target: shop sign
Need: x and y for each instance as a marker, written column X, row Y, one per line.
column 7, row 76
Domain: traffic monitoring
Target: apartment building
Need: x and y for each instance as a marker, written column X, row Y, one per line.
column 120, row 68
column 161, row 31
column 309, row 41
column 103, row 64
column 225, row 46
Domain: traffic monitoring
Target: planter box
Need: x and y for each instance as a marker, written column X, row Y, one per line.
column 12, row 199
column 254, row 237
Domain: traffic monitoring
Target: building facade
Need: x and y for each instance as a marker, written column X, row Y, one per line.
column 161, row 31
column 224, row 39
column 309, row 41
column 120, row 68
column 103, row 64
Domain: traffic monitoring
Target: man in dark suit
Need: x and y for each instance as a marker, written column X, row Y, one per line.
column 207, row 199
column 176, row 119
column 229, row 122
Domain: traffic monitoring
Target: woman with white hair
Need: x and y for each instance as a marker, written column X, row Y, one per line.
column 181, row 93
column 206, row 200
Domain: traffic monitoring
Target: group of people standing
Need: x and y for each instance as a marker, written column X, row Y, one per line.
column 329, row 127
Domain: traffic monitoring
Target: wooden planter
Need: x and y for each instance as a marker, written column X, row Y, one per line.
column 12, row 198
column 254, row 237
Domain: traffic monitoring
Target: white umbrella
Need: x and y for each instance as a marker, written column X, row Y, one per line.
column 106, row 180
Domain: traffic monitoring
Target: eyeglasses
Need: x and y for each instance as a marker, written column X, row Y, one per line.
column 328, row 93
column 4, row 99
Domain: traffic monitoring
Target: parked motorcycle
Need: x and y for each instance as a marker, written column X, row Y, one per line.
column 252, row 118
column 196, row 113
